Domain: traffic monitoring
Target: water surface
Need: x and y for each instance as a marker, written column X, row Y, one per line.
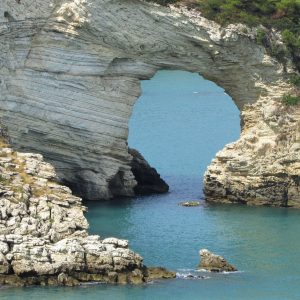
column 178, row 124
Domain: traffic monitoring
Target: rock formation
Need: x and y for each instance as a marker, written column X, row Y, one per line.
column 148, row 180
column 70, row 74
column 263, row 166
column 189, row 203
column 43, row 232
column 214, row 263
column 159, row 273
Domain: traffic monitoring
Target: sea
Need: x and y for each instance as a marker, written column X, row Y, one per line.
column 179, row 124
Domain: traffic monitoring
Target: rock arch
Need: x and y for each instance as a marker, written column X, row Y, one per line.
column 70, row 73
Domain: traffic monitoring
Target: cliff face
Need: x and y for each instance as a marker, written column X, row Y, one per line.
column 70, row 74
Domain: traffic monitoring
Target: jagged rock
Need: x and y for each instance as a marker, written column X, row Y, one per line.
column 191, row 276
column 159, row 273
column 66, row 280
column 70, row 74
column 189, row 203
column 4, row 264
column 214, row 263
column 147, row 178
column 136, row 277
column 43, row 232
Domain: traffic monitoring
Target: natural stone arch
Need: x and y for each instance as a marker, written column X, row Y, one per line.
column 70, row 75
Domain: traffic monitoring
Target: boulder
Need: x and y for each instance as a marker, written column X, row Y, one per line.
column 189, row 203
column 159, row 273
column 214, row 263
column 148, row 180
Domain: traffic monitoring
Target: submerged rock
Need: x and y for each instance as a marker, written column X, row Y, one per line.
column 190, row 276
column 148, row 180
column 214, row 263
column 43, row 232
column 189, row 203
column 159, row 273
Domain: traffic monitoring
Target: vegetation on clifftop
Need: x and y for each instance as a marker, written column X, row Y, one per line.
column 283, row 15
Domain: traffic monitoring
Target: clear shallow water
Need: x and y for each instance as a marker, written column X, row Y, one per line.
column 179, row 132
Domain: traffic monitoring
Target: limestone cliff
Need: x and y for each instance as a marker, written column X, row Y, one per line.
column 70, row 74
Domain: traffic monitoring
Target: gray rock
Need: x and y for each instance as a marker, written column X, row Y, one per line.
column 147, row 178
column 214, row 263
column 159, row 273
column 44, row 237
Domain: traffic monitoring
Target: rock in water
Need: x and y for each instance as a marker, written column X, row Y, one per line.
column 148, row 180
column 189, row 203
column 159, row 273
column 43, row 231
column 214, row 263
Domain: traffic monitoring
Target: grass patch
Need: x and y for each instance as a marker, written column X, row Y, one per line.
column 290, row 100
column 295, row 80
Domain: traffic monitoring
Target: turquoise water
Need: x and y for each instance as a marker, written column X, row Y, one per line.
column 179, row 124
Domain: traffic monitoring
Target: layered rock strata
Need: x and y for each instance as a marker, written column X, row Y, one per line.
column 70, row 74
column 263, row 166
column 43, row 232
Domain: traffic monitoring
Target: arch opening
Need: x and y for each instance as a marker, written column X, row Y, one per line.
column 179, row 124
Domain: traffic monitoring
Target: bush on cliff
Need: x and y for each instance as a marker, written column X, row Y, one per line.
column 284, row 15
column 290, row 100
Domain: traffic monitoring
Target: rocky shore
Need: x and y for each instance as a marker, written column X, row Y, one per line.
column 43, row 232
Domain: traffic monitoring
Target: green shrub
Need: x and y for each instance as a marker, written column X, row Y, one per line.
column 295, row 80
column 284, row 15
column 261, row 37
column 290, row 100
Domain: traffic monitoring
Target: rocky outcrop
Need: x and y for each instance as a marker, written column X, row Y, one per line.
column 189, row 203
column 159, row 273
column 70, row 74
column 214, row 263
column 43, row 232
column 263, row 166
column 147, row 178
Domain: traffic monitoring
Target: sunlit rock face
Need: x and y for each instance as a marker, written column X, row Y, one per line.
column 43, row 231
column 70, row 74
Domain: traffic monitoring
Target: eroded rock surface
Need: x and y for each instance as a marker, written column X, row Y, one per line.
column 43, row 231
column 148, row 180
column 159, row 273
column 214, row 263
column 263, row 166
column 70, row 74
